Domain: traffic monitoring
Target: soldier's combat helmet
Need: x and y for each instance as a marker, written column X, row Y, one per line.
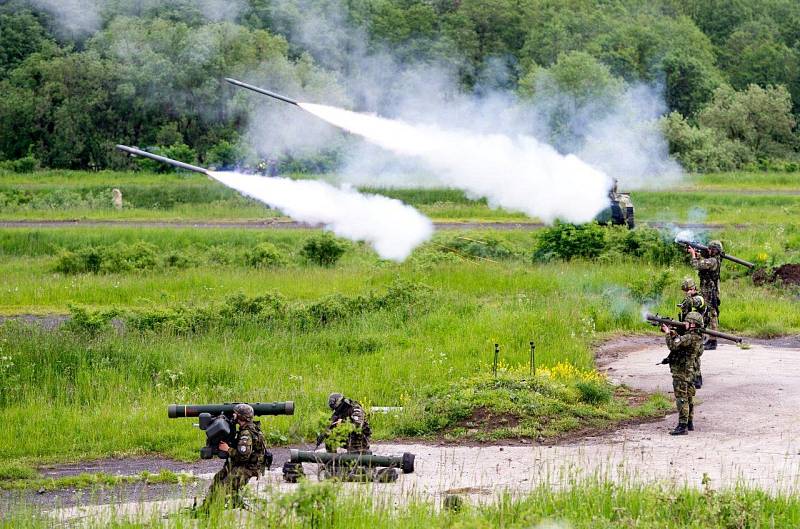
column 715, row 245
column 245, row 411
column 334, row 399
column 688, row 284
column 694, row 317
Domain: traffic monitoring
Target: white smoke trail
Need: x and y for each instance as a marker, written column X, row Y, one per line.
column 391, row 227
column 520, row 173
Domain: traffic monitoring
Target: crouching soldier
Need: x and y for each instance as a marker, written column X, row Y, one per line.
column 683, row 351
column 693, row 301
column 348, row 428
column 247, row 458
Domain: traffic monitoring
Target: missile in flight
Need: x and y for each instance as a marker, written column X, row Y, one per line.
column 263, row 91
column 163, row 159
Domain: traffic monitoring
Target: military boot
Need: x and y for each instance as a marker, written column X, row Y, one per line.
column 680, row 430
column 698, row 381
column 690, row 426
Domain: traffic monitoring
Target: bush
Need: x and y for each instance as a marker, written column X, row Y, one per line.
column 594, row 392
column 89, row 322
column 324, row 250
column 28, row 164
column 570, row 241
column 224, row 155
column 645, row 243
column 123, row 258
column 264, row 255
column 702, row 149
column 488, row 247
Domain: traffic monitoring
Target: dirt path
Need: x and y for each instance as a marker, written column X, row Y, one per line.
column 283, row 224
column 747, row 431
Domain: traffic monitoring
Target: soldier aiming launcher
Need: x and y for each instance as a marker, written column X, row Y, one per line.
column 217, row 421
column 669, row 322
column 703, row 248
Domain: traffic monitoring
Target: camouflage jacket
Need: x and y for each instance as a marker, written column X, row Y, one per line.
column 692, row 303
column 250, row 448
column 708, row 268
column 683, row 349
column 350, row 411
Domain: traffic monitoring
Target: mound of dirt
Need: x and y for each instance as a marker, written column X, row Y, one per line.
column 788, row 274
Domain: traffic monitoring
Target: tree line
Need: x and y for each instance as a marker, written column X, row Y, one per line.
column 729, row 69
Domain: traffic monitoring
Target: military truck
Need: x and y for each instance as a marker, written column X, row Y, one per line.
column 619, row 212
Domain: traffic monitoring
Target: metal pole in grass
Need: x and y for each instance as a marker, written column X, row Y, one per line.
column 496, row 358
column 533, row 359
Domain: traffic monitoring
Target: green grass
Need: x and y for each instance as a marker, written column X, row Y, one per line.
column 96, row 386
column 583, row 505
column 65, row 195
column 99, row 480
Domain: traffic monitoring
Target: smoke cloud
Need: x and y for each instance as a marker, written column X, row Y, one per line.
column 391, row 227
column 505, row 149
column 520, row 173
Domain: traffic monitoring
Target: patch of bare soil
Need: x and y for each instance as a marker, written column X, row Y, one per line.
column 788, row 274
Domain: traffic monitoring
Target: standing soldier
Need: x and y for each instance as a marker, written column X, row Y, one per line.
column 683, row 348
column 247, row 458
column 708, row 268
column 693, row 301
column 350, row 419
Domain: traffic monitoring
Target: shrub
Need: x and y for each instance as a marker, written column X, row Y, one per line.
column 83, row 261
column 488, row 247
column 28, row 164
column 122, row 258
column 224, row 155
column 645, row 243
column 264, row 255
column 268, row 306
column 324, row 249
column 89, row 322
column 594, row 392
column 570, row 241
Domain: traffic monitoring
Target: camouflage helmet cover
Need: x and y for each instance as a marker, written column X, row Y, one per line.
column 715, row 245
column 244, row 411
column 688, row 284
column 334, row 399
column 694, row 317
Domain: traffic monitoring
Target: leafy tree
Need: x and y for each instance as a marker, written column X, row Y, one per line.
column 759, row 118
column 753, row 54
column 702, row 149
column 689, row 83
column 568, row 93
column 21, row 36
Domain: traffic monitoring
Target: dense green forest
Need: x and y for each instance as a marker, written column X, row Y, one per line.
column 150, row 73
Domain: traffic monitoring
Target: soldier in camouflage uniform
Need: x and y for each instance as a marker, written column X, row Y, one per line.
column 708, row 268
column 247, row 458
column 683, row 348
column 693, row 301
column 348, row 412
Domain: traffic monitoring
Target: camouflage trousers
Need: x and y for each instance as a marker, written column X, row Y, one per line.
column 683, row 387
column 227, row 484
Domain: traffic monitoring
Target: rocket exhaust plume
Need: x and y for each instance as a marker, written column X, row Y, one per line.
column 518, row 173
column 391, row 227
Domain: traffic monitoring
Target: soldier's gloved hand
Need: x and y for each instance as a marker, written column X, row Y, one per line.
column 224, row 446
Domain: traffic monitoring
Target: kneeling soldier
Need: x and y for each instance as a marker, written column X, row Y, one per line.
column 683, row 351
column 247, row 458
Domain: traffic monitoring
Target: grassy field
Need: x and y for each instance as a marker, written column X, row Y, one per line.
column 583, row 506
column 387, row 334
column 65, row 195
column 436, row 319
